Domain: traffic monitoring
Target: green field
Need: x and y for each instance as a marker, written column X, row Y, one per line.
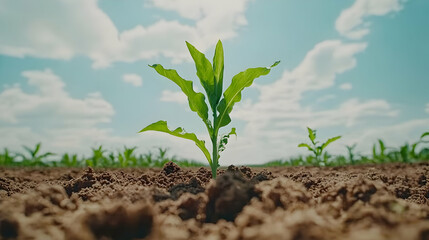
column 34, row 157
column 127, row 157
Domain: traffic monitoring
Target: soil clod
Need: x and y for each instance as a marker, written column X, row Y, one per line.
column 227, row 197
column 193, row 187
column 170, row 168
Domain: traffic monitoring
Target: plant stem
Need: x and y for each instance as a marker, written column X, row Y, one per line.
column 215, row 156
column 214, row 146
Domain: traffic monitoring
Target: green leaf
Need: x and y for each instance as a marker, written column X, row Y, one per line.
column 374, row 151
column 232, row 132
column 307, row 146
column 46, row 155
column 205, row 74
column 196, row 100
column 224, row 140
column 330, row 140
column 37, row 149
column 161, row 126
column 424, row 135
column 232, row 94
column 218, row 67
column 311, row 134
column 275, row 64
column 382, row 146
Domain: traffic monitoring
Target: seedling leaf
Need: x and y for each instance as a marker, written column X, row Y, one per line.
column 218, row 67
column 232, row 94
column 330, row 140
column 161, row 126
column 307, row 146
column 382, row 146
column 311, row 134
column 196, row 100
column 205, row 74
column 224, row 140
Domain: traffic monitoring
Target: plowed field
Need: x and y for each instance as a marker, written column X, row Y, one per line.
column 353, row 202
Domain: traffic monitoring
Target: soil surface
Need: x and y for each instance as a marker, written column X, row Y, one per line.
column 353, row 202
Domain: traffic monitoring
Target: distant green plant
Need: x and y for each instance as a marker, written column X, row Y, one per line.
column 351, row 155
column 379, row 156
column 6, row 159
column 211, row 78
column 409, row 152
column 127, row 158
column 424, row 153
column 405, row 153
column 316, row 148
column 97, row 158
column 68, row 160
column 100, row 158
column 33, row 158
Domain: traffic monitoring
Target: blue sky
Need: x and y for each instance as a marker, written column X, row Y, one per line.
column 74, row 74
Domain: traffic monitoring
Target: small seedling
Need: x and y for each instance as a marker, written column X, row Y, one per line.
column 68, row 160
column 34, row 158
column 381, row 156
column 315, row 148
column 211, row 78
column 6, row 158
column 97, row 157
column 126, row 157
column 351, row 153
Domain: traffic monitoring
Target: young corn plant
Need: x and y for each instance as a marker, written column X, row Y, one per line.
column 351, row 154
column 318, row 149
column 380, row 156
column 221, row 105
column 34, row 158
column 97, row 158
column 6, row 159
column 424, row 153
column 68, row 160
column 127, row 158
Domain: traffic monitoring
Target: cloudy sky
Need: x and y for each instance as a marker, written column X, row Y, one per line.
column 74, row 74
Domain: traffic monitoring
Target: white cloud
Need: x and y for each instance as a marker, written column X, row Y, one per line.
column 133, row 79
column 351, row 22
column 176, row 97
column 213, row 19
column 325, row 98
column 50, row 103
column 346, row 86
column 61, row 29
column 55, row 29
column 317, row 71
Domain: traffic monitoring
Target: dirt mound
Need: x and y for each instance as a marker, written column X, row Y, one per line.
column 355, row 202
column 113, row 221
column 227, row 196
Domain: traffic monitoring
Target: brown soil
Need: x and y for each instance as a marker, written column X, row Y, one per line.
column 354, row 202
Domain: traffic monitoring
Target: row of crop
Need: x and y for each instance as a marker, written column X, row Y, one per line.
column 127, row 157
column 33, row 157
column 407, row 153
